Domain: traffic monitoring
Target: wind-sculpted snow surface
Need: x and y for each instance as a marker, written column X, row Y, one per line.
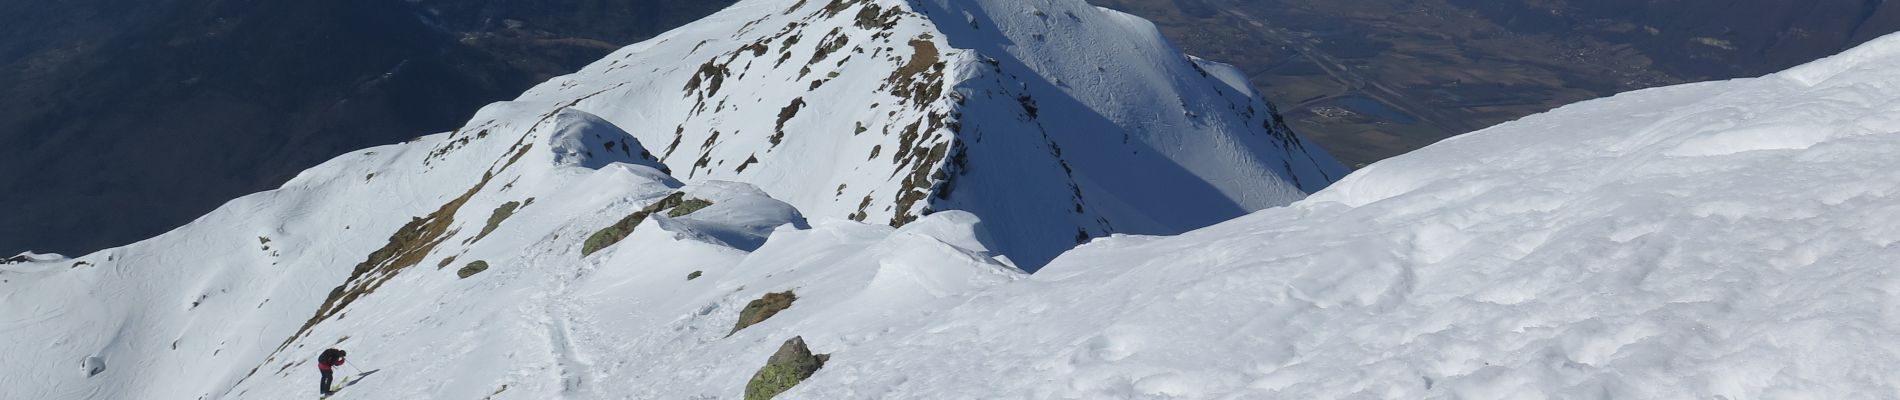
column 1728, row 240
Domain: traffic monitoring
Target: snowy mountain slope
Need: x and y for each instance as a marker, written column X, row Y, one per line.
column 1054, row 120
column 496, row 281
column 1730, row 240
column 569, row 258
column 180, row 313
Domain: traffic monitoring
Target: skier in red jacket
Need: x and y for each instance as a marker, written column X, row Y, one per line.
column 330, row 358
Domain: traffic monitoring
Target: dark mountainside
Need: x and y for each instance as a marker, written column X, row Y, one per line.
column 1371, row 79
column 128, row 118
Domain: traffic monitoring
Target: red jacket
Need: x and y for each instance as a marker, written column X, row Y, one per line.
column 326, row 367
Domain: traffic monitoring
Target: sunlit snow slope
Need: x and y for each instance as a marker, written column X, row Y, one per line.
column 1723, row 240
column 505, row 260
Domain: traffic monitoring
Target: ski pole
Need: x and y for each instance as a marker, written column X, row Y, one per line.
column 359, row 371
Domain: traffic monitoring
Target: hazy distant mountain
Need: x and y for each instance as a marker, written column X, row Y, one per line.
column 1370, row 79
column 127, row 118
column 1708, row 38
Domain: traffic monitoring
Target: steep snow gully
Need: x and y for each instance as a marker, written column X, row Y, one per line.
column 689, row 219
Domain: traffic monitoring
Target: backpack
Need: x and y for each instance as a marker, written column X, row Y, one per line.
column 330, row 356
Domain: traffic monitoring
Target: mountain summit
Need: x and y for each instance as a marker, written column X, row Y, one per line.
column 1054, row 121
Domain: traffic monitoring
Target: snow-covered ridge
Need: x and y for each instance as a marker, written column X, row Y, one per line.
column 1054, row 120
column 506, row 253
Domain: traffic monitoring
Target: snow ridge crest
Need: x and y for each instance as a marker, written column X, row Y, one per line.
column 1026, row 113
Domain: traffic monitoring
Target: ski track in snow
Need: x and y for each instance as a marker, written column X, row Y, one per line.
column 556, row 319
